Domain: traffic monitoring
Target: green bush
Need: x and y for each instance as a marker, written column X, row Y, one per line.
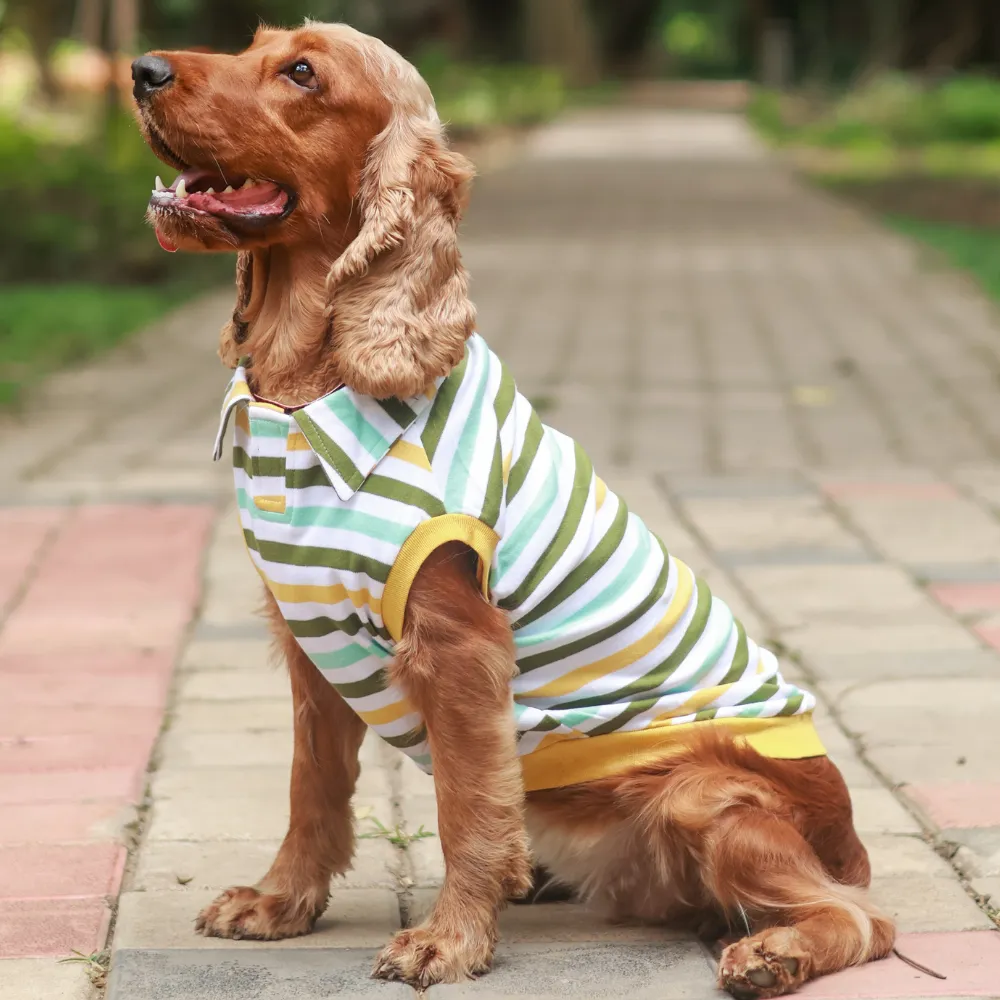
column 75, row 210
column 967, row 109
column 471, row 97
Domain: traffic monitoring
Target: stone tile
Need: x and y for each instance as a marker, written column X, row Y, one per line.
column 63, row 822
column 877, row 811
column 956, row 754
column 34, row 928
column 47, row 870
column 888, row 490
column 980, row 849
column 969, row 959
column 43, row 979
column 989, row 888
column 264, row 748
column 965, row 598
column 779, row 484
column 110, row 783
column 905, row 663
column 426, row 860
column 249, row 654
column 667, row 970
column 217, row 716
column 356, row 918
column 895, row 855
column 261, row 682
column 268, row 784
column 220, row 864
column 792, row 556
column 270, row 973
column 927, row 903
column 956, row 573
column 970, row 804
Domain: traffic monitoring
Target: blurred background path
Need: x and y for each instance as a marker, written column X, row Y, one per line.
column 803, row 407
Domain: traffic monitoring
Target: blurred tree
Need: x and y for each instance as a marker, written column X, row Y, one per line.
column 560, row 33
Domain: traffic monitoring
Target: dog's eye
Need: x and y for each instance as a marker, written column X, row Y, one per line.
column 301, row 72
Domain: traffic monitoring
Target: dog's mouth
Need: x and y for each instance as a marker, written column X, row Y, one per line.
column 239, row 201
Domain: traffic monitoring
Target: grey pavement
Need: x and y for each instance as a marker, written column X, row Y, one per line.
column 806, row 409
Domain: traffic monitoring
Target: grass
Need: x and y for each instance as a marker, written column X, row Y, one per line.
column 45, row 327
column 976, row 251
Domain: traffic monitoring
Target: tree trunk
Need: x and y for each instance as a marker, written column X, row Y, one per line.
column 959, row 42
column 88, row 21
column 560, row 33
column 886, row 37
column 815, row 19
column 124, row 26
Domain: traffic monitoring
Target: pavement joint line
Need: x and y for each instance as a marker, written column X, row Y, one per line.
column 32, row 571
column 935, row 838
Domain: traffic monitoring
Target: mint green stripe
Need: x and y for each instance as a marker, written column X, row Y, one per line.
column 326, row 447
column 464, row 457
column 444, row 400
column 337, row 658
column 262, row 427
column 340, row 519
column 513, row 544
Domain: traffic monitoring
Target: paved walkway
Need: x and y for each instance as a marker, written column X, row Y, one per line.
column 806, row 412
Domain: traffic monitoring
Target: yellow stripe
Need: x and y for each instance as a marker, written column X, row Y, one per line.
column 571, row 761
column 582, row 676
column 414, row 454
column 389, row 713
column 505, row 472
column 697, row 701
column 242, row 420
column 297, row 441
column 423, row 540
column 272, row 503
column 601, row 492
column 302, row 593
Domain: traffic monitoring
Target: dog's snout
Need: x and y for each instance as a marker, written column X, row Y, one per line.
column 150, row 74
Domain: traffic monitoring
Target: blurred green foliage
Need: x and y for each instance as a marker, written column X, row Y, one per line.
column 892, row 111
column 474, row 96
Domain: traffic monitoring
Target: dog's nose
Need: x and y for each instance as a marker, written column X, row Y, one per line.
column 150, row 73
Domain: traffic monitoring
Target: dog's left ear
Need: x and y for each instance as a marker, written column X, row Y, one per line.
column 398, row 294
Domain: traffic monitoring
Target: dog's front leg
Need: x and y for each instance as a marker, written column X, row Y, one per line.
column 320, row 838
column 455, row 663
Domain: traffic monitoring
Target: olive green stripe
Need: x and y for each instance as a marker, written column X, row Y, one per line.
column 530, row 663
column 655, row 678
column 441, row 408
column 494, row 490
column 529, row 449
column 404, row 493
column 316, row 628
column 311, row 555
column 504, row 400
column 740, row 658
column 259, row 465
column 300, row 479
column 792, row 705
column 589, row 568
column 377, row 682
column 583, row 474
column 327, row 448
column 411, row 739
column 398, row 411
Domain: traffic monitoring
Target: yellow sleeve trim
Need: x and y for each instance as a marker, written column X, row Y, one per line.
column 425, row 538
column 569, row 761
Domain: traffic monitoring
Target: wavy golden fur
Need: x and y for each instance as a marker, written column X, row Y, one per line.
column 361, row 282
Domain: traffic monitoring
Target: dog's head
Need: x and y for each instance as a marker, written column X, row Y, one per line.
column 320, row 140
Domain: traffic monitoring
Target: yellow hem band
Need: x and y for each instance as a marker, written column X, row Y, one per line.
column 588, row 758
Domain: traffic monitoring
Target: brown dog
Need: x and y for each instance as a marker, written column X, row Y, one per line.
column 318, row 156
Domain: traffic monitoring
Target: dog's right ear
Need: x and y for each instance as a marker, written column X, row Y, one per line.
column 234, row 333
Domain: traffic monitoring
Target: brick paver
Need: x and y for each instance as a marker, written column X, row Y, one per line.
column 802, row 408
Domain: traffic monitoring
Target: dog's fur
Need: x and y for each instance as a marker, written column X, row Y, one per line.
column 363, row 284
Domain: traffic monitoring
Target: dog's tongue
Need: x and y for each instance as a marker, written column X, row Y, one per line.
column 165, row 243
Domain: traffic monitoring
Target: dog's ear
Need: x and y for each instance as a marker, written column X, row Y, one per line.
column 398, row 295
column 234, row 333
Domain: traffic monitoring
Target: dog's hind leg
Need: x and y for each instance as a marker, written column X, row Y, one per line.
column 320, row 838
column 455, row 663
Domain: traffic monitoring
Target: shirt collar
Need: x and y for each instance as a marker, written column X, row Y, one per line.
column 349, row 432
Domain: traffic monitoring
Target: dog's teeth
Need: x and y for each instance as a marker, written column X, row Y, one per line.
column 210, row 191
column 248, row 183
column 229, row 189
column 160, row 186
column 181, row 189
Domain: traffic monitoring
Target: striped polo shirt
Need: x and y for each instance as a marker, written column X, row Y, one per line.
column 620, row 650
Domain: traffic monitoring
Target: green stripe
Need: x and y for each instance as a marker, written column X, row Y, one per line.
column 740, row 658
column 530, row 663
column 514, row 542
column 411, row 739
column 255, row 465
column 655, row 678
column 529, row 448
column 261, row 427
column 464, row 457
column 441, row 409
column 336, row 659
column 582, row 477
column 300, row 479
column 762, row 693
column 590, row 566
column 327, row 448
column 321, row 625
column 793, row 704
column 504, row 400
column 372, row 684
column 404, row 493
column 398, row 411
column 494, row 490
column 310, row 555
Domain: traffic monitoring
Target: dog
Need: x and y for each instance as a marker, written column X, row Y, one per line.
column 442, row 567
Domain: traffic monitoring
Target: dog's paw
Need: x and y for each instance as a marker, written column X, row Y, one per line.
column 422, row 957
column 246, row 913
column 765, row 965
